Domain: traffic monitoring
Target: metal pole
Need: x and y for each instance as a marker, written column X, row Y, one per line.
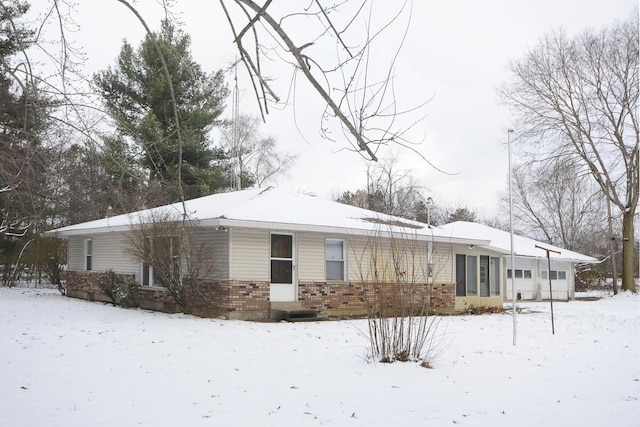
column 513, row 286
column 553, row 328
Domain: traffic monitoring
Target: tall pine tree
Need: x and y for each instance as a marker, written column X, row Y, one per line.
column 137, row 96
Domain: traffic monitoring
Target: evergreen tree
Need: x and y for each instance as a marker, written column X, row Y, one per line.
column 136, row 94
column 23, row 158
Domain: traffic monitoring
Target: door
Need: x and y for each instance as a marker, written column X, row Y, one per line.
column 283, row 280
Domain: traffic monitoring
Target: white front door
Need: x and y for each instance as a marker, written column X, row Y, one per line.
column 283, row 277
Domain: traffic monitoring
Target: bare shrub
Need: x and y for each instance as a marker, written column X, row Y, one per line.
column 120, row 288
column 176, row 258
column 401, row 325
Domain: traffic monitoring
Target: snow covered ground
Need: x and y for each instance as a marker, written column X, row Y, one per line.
column 67, row 362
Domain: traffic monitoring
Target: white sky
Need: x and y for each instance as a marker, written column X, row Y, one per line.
column 456, row 52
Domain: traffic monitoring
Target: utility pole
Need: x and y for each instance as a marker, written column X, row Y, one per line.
column 513, row 263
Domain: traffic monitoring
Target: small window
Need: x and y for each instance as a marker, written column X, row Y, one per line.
column 562, row 275
column 543, row 274
column 334, row 259
column 518, row 274
column 88, row 254
column 553, row 274
column 527, row 274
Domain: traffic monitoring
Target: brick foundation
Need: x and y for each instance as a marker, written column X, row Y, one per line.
column 354, row 298
column 232, row 299
column 228, row 299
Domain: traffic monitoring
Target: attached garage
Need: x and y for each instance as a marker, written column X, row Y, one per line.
column 531, row 272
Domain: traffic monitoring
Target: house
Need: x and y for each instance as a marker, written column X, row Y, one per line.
column 268, row 248
column 532, row 272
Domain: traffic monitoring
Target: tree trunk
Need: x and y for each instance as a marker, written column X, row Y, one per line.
column 628, row 254
column 612, row 249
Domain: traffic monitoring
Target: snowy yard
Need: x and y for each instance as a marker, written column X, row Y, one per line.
column 67, row 362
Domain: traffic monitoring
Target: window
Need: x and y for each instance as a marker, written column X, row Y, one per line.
column 472, row 275
column 162, row 255
column 477, row 275
column 555, row 275
column 520, row 274
column 494, row 276
column 460, row 275
column 334, row 259
column 88, row 254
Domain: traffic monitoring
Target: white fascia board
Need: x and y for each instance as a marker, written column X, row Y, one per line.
column 86, row 231
column 229, row 223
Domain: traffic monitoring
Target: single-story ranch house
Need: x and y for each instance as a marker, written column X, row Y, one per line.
column 265, row 248
column 532, row 271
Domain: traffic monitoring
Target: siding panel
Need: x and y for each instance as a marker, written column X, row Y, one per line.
column 371, row 256
column 217, row 244
column 75, row 253
column 110, row 252
column 443, row 262
column 311, row 256
column 250, row 254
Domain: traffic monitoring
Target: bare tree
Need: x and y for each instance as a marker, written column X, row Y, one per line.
column 253, row 154
column 391, row 190
column 556, row 203
column 578, row 98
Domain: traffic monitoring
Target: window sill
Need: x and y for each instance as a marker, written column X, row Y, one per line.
column 154, row 288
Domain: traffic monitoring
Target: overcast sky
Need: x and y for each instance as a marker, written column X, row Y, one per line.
column 456, row 53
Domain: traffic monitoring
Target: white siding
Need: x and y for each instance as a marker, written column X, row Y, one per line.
column 443, row 262
column 371, row 256
column 109, row 253
column 311, row 256
column 75, row 253
column 250, row 254
column 217, row 243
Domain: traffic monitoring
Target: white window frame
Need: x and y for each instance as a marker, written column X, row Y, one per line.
column 88, row 254
column 342, row 260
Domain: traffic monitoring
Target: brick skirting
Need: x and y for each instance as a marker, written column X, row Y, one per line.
column 233, row 299
column 354, row 298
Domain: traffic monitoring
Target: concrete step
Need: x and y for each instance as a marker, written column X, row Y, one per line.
column 293, row 312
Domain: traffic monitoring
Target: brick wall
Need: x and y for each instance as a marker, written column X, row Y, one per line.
column 85, row 285
column 354, row 297
column 230, row 299
column 250, row 300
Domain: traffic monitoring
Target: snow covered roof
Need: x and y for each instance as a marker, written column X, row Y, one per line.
column 523, row 246
column 274, row 209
